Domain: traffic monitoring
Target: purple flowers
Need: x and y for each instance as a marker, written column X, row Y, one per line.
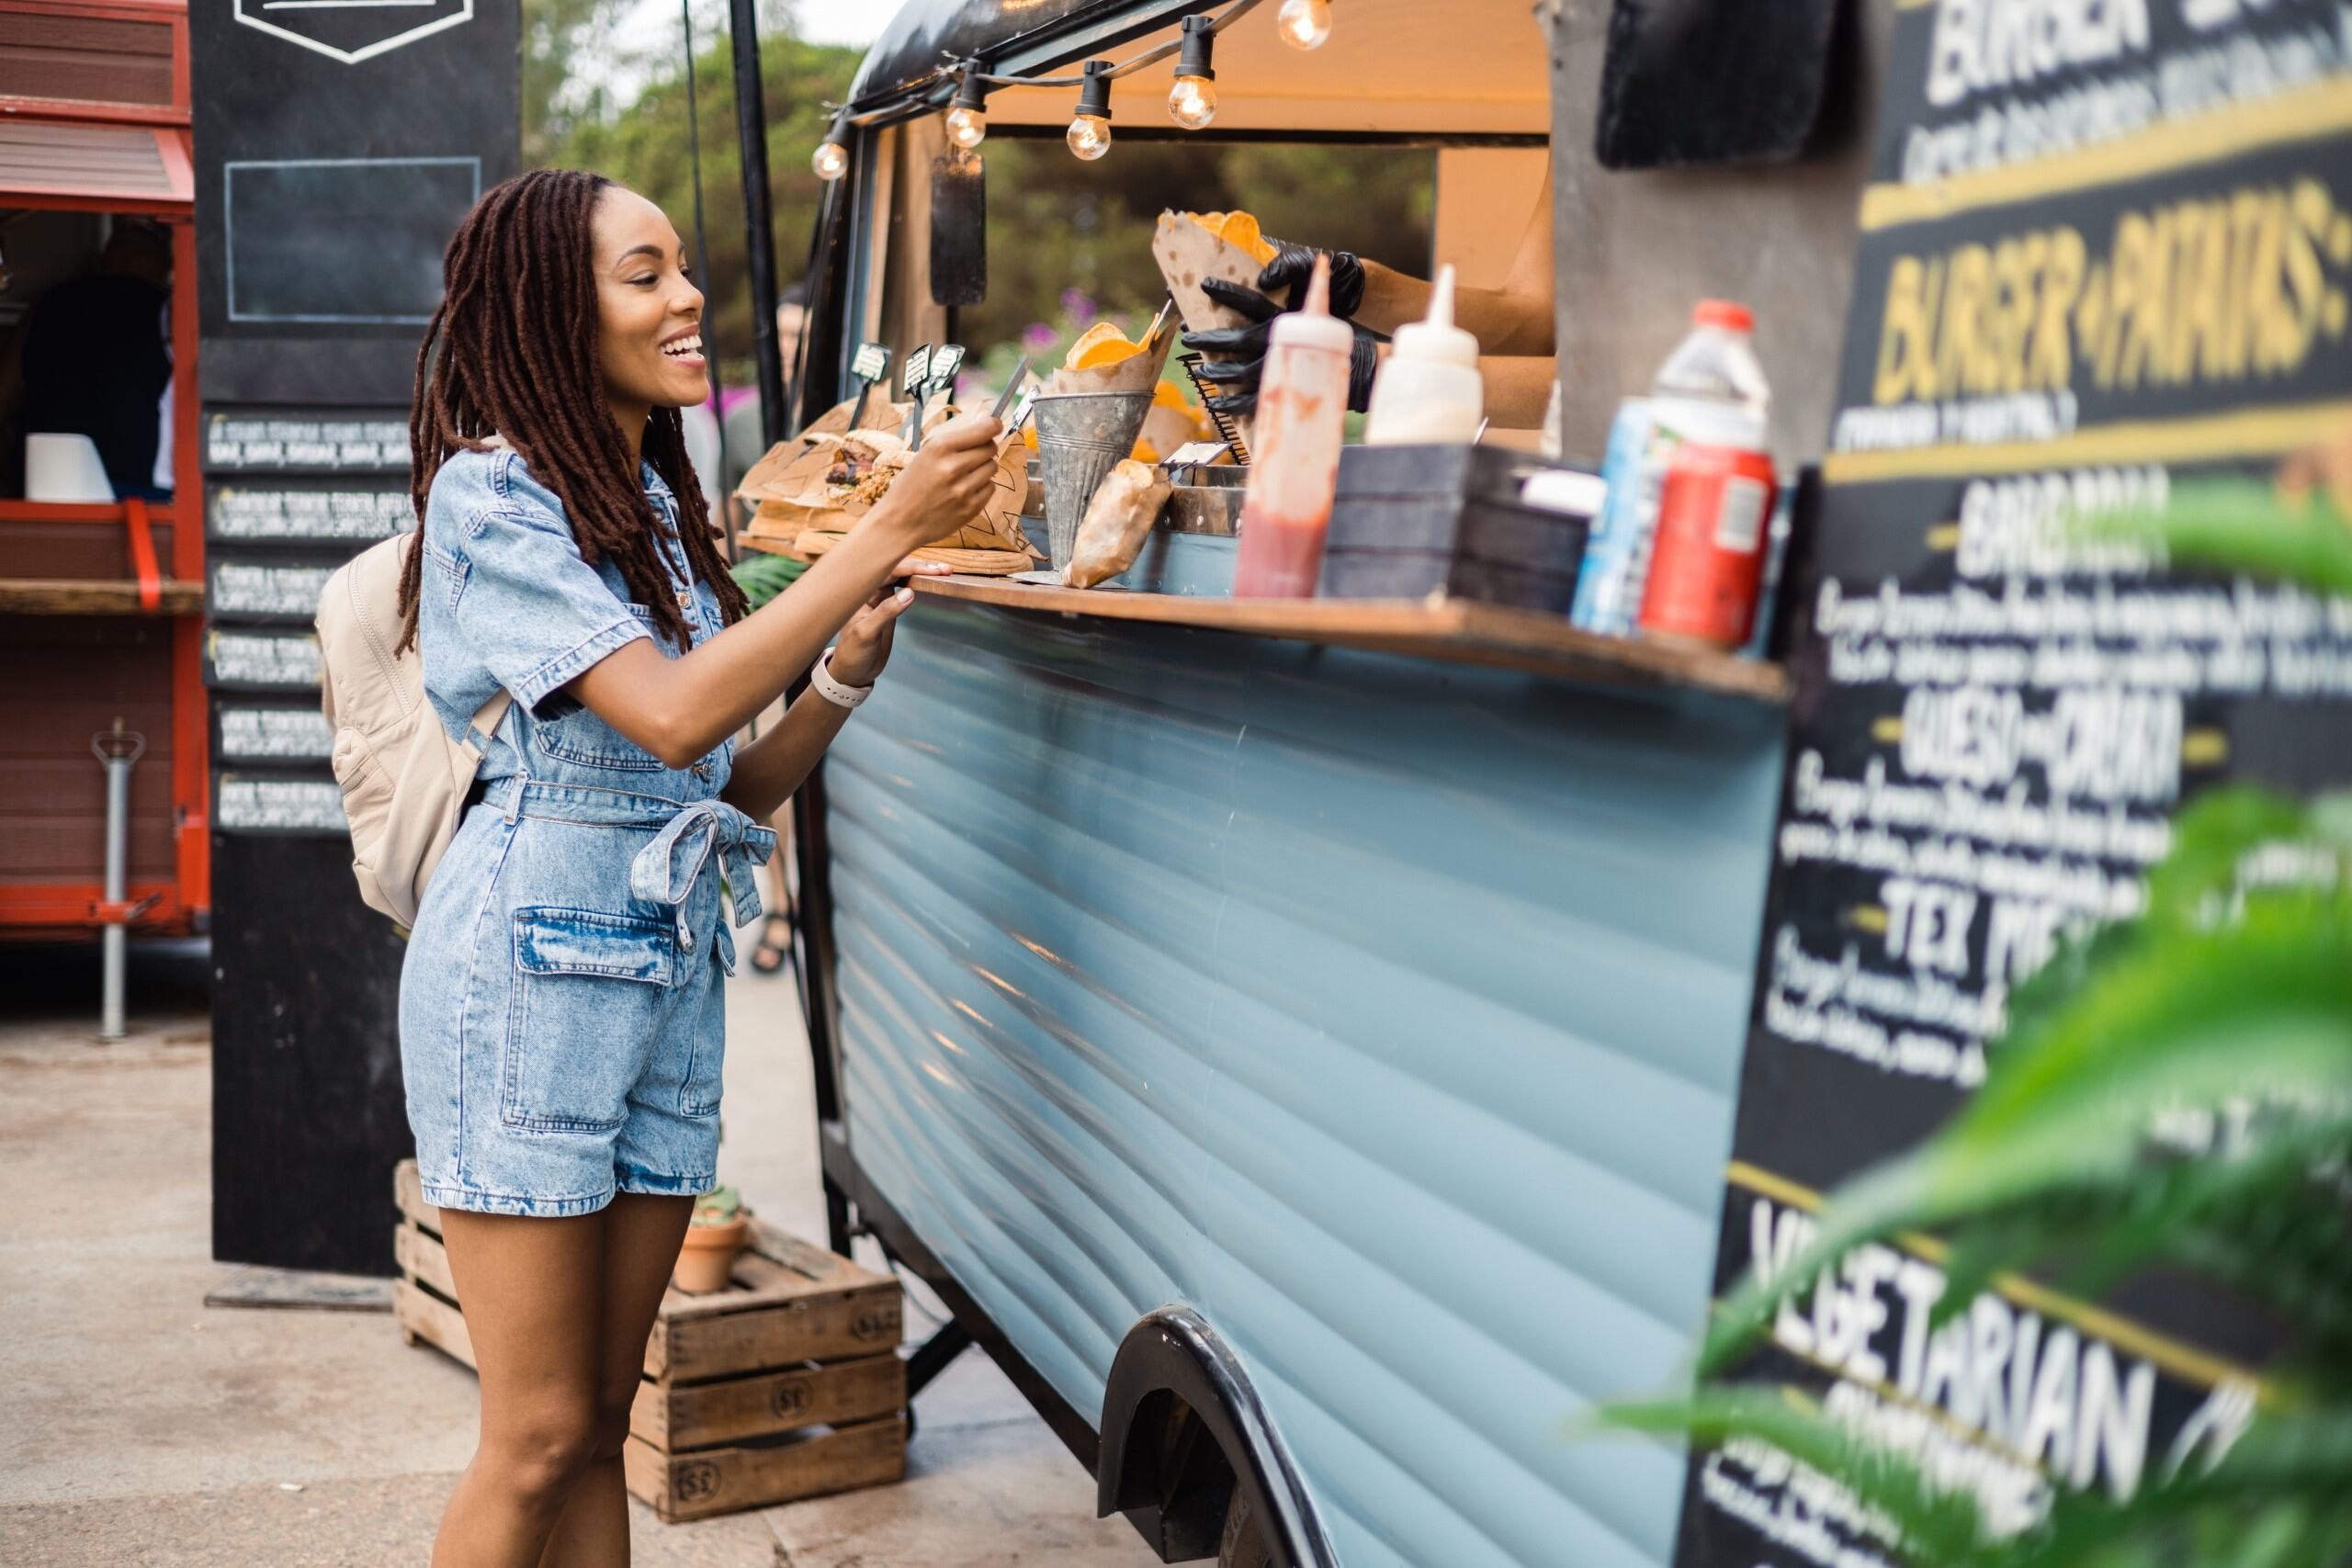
column 1078, row 306
column 1037, row 336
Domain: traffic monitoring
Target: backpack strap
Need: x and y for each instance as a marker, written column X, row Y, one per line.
column 490, row 716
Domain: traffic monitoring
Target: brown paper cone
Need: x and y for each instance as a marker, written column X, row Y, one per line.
column 1136, row 373
column 1186, row 254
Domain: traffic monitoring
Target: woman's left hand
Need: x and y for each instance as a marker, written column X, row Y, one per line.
column 865, row 646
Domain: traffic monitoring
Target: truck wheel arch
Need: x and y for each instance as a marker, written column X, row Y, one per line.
column 1175, row 1385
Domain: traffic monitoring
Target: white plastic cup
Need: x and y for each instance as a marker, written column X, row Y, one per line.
column 64, row 469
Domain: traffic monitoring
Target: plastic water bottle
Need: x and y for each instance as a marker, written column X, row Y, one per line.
column 1711, row 391
column 1707, row 533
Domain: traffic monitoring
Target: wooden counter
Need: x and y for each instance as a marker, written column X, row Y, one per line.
column 93, row 596
column 1457, row 630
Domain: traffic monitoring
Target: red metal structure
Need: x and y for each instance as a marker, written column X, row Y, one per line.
column 100, row 605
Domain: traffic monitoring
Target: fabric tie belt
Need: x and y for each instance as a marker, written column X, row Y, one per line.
column 667, row 868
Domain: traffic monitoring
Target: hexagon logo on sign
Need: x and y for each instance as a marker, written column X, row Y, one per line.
column 354, row 30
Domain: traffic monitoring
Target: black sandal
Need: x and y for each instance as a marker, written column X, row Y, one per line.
column 771, row 956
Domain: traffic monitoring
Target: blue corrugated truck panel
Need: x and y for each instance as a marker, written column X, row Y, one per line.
column 1387, row 1012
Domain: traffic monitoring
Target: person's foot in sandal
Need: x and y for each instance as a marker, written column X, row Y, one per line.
column 775, row 945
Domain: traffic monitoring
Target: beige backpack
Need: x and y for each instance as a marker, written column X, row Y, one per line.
column 404, row 780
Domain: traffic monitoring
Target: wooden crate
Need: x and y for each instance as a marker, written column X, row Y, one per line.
column 806, row 1464
column 786, row 1385
column 675, row 1416
column 788, row 1303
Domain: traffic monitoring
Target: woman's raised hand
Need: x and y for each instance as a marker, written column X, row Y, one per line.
column 947, row 483
column 865, row 646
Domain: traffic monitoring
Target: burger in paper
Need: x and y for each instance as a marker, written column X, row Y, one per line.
column 810, row 502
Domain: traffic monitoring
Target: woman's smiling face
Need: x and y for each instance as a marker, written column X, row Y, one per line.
column 649, row 313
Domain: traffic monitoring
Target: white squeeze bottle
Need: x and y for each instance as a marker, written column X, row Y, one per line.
column 1429, row 392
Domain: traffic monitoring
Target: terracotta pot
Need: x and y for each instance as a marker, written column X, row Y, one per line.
column 707, row 1256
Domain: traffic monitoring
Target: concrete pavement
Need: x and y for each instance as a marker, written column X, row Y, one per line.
column 141, row 1427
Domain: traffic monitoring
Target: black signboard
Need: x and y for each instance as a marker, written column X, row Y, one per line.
column 2109, row 248
column 337, row 146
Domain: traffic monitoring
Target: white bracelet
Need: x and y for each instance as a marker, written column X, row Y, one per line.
column 837, row 693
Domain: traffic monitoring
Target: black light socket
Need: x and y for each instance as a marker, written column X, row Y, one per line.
column 1200, row 38
column 1094, row 93
column 973, row 93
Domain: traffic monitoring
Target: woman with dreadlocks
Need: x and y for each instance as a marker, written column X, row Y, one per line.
column 560, row 1019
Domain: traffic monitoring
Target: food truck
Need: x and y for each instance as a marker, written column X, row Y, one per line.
column 101, row 584
column 1322, row 1048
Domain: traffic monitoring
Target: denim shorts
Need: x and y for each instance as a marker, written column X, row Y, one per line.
column 562, row 1025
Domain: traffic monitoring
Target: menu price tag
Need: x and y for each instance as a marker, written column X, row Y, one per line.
column 244, row 804
column 261, row 659
column 240, row 441
column 262, row 590
column 282, row 514
column 274, row 734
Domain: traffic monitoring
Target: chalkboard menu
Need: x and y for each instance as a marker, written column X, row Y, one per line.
column 338, row 143
column 2106, row 247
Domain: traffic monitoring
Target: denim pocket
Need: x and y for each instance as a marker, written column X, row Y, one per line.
column 574, row 734
column 579, row 736
column 705, row 1073
column 588, row 994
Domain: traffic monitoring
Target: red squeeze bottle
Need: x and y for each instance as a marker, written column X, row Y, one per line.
column 1302, row 400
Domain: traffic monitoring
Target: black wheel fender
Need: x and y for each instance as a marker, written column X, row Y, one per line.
column 1175, row 1354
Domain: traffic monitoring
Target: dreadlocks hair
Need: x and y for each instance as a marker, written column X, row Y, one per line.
column 512, row 351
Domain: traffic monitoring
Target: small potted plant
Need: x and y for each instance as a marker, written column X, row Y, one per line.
column 720, row 1229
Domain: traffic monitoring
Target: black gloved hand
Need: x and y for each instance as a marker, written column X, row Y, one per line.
column 1294, row 265
column 1235, row 377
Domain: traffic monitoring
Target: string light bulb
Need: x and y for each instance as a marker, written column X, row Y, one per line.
column 1191, row 101
column 1305, row 24
column 967, row 118
column 1090, row 129
column 831, row 161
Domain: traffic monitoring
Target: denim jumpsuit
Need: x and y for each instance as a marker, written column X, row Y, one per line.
column 561, row 1025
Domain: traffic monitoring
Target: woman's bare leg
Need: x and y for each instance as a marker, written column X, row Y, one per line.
column 533, row 1292
column 641, row 1237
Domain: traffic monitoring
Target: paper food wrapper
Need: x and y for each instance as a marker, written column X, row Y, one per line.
column 765, row 481
column 1118, row 520
column 1187, row 253
column 803, row 492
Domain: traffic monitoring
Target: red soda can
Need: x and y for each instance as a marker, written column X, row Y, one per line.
column 1707, row 555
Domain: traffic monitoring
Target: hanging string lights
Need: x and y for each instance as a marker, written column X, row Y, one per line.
column 831, row 161
column 1191, row 101
column 967, row 119
column 1305, row 24
column 1192, row 98
column 1090, row 129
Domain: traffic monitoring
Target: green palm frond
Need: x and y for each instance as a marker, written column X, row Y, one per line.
column 2244, row 525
